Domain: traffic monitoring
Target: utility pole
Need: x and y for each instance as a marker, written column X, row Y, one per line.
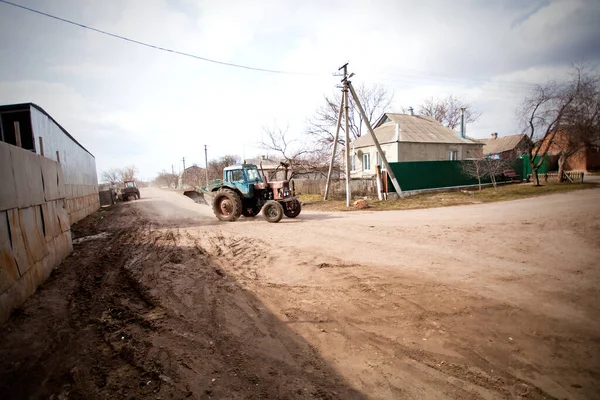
column 344, row 109
column 172, row 169
column 206, row 163
column 183, row 159
column 381, row 154
column 347, row 140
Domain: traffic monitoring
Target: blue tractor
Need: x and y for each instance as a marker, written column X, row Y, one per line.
column 243, row 191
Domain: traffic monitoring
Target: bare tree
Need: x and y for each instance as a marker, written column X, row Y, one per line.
column 165, row 178
column 375, row 100
column 446, row 110
column 129, row 173
column 581, row 127
column 216, row 167
column 112, row 176
column 297, row 154
column 492, row 168
column 474, row 169
column 557, row 107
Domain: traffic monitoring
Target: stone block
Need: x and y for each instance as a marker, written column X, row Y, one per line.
column 50, row 175
column 22, row 289
column 52, row 226
column 69, row 242
column 9, row 273
column 18, row 243
column 33, row 232
column 62, row 214
column 8, row 191
column 28, row 177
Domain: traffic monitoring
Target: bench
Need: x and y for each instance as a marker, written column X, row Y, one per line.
column 512, row 175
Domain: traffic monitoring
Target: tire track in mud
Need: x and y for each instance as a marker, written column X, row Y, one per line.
column 149, row 314
column 470, row 373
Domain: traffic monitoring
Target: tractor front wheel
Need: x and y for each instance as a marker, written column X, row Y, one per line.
column 292, row 209
column 273, row 211
column 227, row 205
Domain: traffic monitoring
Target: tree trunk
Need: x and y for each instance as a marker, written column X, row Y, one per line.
column 534, row 172
column 561, row 167
column 479, row 180
column 493, row 178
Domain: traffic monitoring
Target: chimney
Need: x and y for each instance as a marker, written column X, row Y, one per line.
column 411, row 111
column 462, row 123
column 495, row 135
column 397, row 132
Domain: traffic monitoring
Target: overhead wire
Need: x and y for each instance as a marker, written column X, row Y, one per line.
column 392, row 76
column 114, row 35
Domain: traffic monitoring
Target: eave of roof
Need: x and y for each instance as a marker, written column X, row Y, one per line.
column 22, row 106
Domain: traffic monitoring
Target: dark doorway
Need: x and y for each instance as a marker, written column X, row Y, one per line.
column 8, row 129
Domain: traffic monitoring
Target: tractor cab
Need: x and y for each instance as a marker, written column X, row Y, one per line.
column 244, row 177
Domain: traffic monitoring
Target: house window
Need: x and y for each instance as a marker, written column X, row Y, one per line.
column 366, row 162
column 453, row 155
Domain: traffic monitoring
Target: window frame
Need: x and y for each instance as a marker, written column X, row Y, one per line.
column 366, row 160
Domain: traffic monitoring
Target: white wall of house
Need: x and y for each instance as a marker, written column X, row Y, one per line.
column 366, row 159
column 404, row 151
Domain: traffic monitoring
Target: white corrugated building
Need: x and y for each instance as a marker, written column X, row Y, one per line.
column 41, row 134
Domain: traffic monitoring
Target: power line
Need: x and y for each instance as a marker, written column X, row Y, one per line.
column 151, row 45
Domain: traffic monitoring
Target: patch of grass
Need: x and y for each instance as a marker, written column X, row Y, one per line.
column 431, row 200
column 310, row 198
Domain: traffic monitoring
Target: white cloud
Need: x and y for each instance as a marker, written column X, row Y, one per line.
column 128, row 103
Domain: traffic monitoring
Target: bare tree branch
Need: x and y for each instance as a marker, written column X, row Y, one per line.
column 375, row 100
column 567, row 110
column 112, row 176
column 446, row 110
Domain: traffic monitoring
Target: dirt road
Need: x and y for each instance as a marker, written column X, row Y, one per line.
column 490, row 301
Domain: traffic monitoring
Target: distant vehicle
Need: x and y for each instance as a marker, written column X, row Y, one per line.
column 130, row 190
column 244, row 192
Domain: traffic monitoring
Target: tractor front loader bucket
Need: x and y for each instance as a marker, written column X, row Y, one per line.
column 196, row 196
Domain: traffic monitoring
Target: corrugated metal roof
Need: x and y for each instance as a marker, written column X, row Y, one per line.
column 25, row 107
column 501, row 144
column 413, row 128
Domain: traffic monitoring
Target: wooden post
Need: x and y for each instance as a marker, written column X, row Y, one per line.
column 383, row 158
column 337, row 135
column 17, row 133
column 379, row 188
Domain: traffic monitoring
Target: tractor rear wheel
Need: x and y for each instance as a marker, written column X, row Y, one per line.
column 273, row 211
column 294, row 209
column 227, row 205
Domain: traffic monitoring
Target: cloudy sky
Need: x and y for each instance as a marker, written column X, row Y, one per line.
column 129, row 104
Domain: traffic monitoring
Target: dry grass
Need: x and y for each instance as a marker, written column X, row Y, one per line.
column 430, row 200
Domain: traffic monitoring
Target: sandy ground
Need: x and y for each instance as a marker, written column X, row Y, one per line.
column 489, row 301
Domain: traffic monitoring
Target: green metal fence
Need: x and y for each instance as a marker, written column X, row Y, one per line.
column 419, row 175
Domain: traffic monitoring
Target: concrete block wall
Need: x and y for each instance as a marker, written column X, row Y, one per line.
column 35, row 235
column 81, row 201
